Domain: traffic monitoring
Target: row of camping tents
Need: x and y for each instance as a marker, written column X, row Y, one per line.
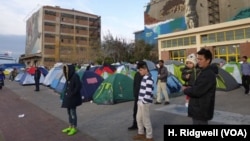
column 109, row 84
column 103, row 84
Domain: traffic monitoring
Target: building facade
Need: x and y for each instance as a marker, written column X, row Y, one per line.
column 54, row 34
column 229, row 41
column 181, row 27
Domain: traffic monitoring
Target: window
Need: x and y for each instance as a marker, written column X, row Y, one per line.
column 180, row 42
column 163, row 44
column 186, row 41
column 204, row 38
column 212, row 38
column 193, row 40
column 169, row 43
column 174, row 42
column 229, row 35
column 220, row 36
column 228, row 53
column 247, row 32
column 239, row 34
column 178, row 55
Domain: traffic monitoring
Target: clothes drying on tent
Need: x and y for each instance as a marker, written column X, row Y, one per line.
column 105, row 70
column 114, row 89
column 90, row 83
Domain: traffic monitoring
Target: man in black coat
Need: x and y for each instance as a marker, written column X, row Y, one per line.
column 136, row 85
column 37, row 76
column 72, row 97
column 202, row 93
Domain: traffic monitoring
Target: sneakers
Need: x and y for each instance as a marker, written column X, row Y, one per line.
column 139, row 137
column 70, row 131
column 66, row 130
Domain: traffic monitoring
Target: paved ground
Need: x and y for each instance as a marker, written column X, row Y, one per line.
column 43, row 118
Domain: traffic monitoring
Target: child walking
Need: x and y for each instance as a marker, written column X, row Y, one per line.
column 189, row 73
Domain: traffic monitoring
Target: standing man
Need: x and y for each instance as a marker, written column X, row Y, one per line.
column 37, row 76
column 162, row 83
column 245, row 71
column 202, row 93
column 145, row 99
column 136, row 85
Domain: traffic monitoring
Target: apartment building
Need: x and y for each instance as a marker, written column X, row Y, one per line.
column 55, row 34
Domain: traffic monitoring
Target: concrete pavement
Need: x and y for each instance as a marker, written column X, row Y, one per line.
column 44, row 118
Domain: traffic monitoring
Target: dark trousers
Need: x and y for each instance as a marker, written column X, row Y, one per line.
column 199, row 122
column 37, row 83
column 72, row 116
column 135, row 112
column 246, row 82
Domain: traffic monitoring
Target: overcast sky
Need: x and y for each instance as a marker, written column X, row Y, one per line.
column 119, row 17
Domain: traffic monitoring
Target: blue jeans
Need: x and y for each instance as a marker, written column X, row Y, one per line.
column 72, row 116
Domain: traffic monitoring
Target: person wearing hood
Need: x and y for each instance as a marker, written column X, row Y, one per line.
column 202, row 92
column 72, row 97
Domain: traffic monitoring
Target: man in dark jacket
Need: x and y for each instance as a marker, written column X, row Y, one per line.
column 72, row 97
column 37, row 76
column 162, row 83
column 136, row 85
column 202, row 93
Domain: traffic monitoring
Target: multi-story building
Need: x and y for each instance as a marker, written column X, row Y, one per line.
column 54, row 34
column 180, row 27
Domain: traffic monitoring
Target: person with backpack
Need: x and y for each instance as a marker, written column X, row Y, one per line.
column 72, row 97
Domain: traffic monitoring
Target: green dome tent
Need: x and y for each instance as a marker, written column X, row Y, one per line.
column 114, row 89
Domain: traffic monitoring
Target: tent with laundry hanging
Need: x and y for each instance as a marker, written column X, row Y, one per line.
column 105, row 70
column 114, row 89
column 90, row 82
column 28, row 77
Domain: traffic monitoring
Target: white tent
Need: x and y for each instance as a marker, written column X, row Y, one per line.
column 58, row 68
